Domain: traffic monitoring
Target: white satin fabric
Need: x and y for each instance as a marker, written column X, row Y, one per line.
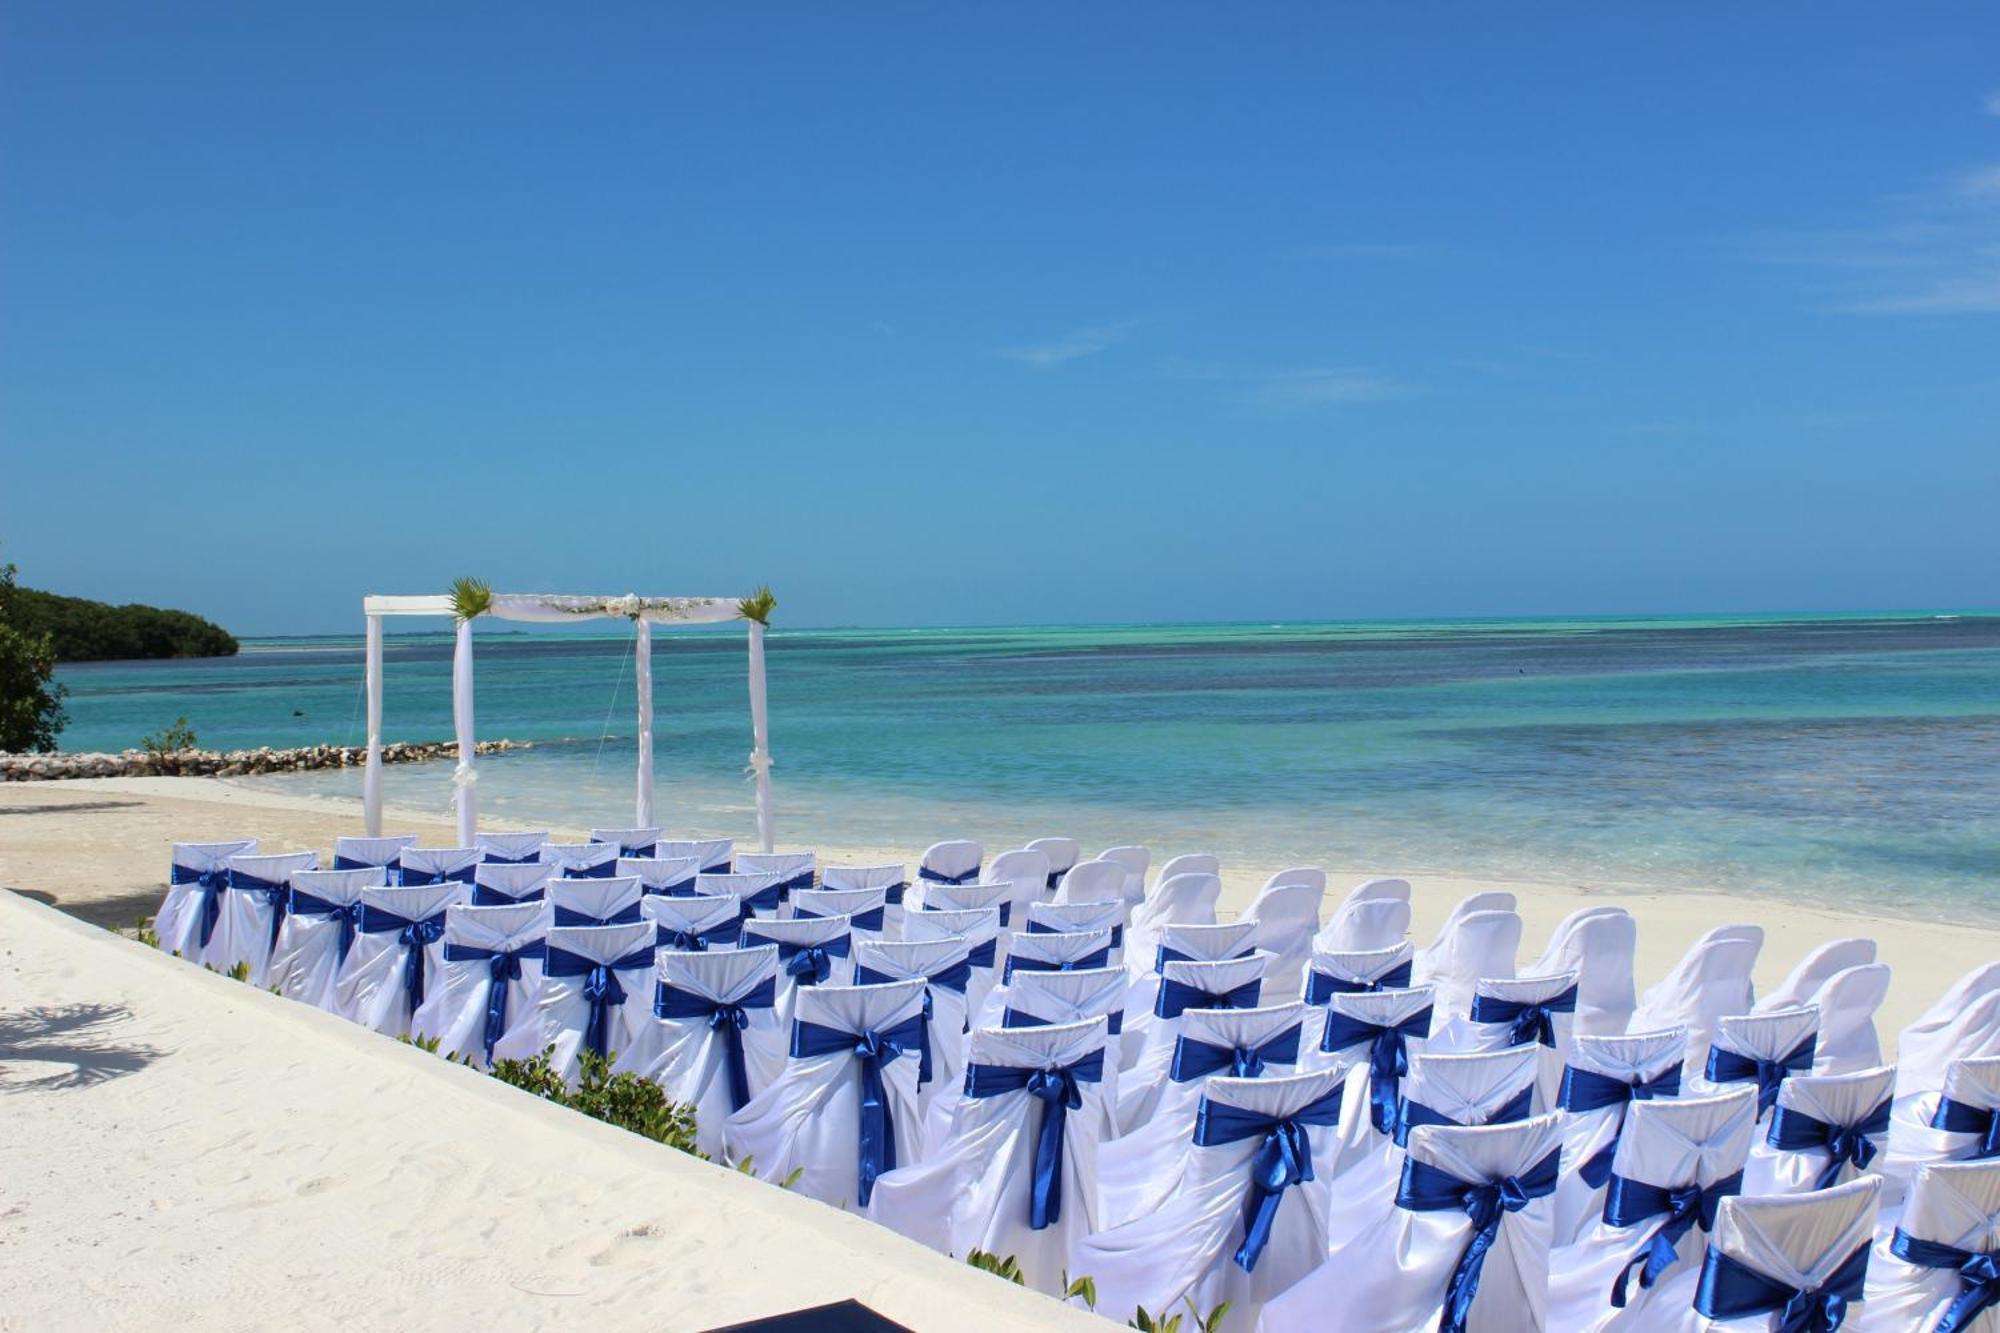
column 1670, row 1144
column 695, row 914
column 1310, row 878
column 1188, row 863
column 1847, row 1005
column 577, row 858
column 1135, row 860
column 1392, row 1277
column 560, row 1016
column 1819, row 965
column 1912, row 1140
column 1836, row 1099
column 1380, row 888
column 369, row 989
column 1461, row 1033
column 660, row 874
column 1188, row 899
column 801, row 931
column 872, row 877
column 1028, row 871
column 178, row 923
column 711, row 854
column 629, row 841
column 599, row 899
column 439, row 862
column 1182, row 1251
column 378, row 851
column 1769, row 1036
column 308, row 952
column 512, row 881
column 1356, row 967
column 1795, row 1239
column 1074, row 919
column 968, row 897
column 1092, row 882
column 243, row 932
column 1287, row 918
column 746, row 888
column 954, row 859
column 512, row 846
column 1475, row 944
column 1371, row 923
column 975, row 925
column 1964, row 1024
column 1952, row 1204
column 688, row 1057
column 1148, row 1091
column 974, row 1190
column 456, row 995
column 1599, row 944
column 905, row 960
column 1710, row 982
column 786, row 865
column 1640, row 1057
column 850, row 903
column 1196, row 943
column 1149, row 1038
column 1062, row 852
column 809, row 1119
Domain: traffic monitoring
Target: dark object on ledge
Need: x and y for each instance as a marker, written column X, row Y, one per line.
column 840, row 1317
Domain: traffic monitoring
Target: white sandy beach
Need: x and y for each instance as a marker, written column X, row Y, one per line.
column 180, row 1146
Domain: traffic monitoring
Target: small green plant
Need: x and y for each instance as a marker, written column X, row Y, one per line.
column 176, row 739
column 470, row 598
column 1153, row 1323
column 421, row 1043
column 621, row 1099
column 758, row 606
column 240, row 972
column 145, row 934
column 1210, row 1322
column 1083, row 1289
column 1008, row 1268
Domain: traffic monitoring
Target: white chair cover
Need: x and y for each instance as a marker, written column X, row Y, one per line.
column 659, row 874
column 354, row 853
column 893, row 878
column 981, row 926
column 1092, row 882
column 1188, row 863
column 976, row 1190
column 1062, row 853
column 1815, row 970
column 1711, row 981
column 711, row 854
column 963, row 897
column 1952, row 1205
column 1393, row 1278
column 1367, row 1031
column 1847, row 1005
column 865, row 908
column 795, row 869
column 1135, row 860
column 1796, row 1240
column 196, row 872
column 760, row 893
column 435, row 865
column 1473, row 946
column 1963, row 1024
column 810, row 1120
column 610, row 901
column 1186, row 899
column 1077, row 918
column 1671, row 1144
column 1779, row 1045
column 1372, row 923
column 563, row 1013
column 955, row 861
column 1047, row 951
column 1149, row 1035
column 1298, row 877
column 945, row 965
column 634, row 842
column 318, row 930
column 581, row 860
column 373, row 987
column 1599, row 945
column 499, row 883
column 1381, row 887
column 687, row 1052
column 1287, row 918
column 253, row 908
column 1511, row 1011
column 511, row 848
column 1957, row 1122
column 1036, row 999
column 1793, row 1155
column 1644, row 1067
column 459, row 1008
column 1186, row 943
column 1185, row 1253
column 1028, row 871
column 812, row 951
column 695, row 923
column 1350, row 970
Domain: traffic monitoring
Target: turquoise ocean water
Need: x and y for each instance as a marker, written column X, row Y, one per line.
column 1852, row 759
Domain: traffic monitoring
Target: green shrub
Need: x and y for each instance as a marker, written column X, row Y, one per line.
column 31, row 703
column 1008, row 1268
column 171, row 741
column 623, row 1099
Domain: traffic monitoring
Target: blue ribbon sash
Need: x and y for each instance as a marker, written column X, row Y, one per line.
column 805, row 964
column 875, row 1050
column 276, row 896
column 1792, row 1130
column 1964, row 1118
column 939, row 877
column 600, row 987
column 1388, row 1057
column 1725, row 1066
column 1978, row 1277
column 1629, row 1202
column 209, row 885
column 570, row 916
column 1176, row 997
column 1732, row 1290
column 729, row 1017
column 1198, row 1059
column 1411, row 1114
column 414, row 937
column 1586, row 1090
column 1528, row 1020
column 1282, row 1160
column 1320, row 986
column 1427, row 1188
column 1059, row 1091
column 348, row 914
column 503, row 966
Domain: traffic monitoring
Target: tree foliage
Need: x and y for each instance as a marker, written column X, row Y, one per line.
column 87, row 631
column 31, row 708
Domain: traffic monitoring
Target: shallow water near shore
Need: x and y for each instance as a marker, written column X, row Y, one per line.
column 1850, row 759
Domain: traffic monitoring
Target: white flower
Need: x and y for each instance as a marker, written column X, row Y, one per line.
column 628, row 606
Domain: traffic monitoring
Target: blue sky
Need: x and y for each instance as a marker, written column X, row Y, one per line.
column 990, row 313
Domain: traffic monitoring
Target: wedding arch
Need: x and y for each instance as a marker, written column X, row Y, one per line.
column 469, row 600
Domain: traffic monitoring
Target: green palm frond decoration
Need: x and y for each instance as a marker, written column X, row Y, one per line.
column 758, row 606
column 470, row 598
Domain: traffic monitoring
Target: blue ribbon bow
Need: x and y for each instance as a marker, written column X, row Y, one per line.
column 600, row 987
column 1794, row 1131
column 1198, row 1059
column 209, row 885
column 414, row 936
column 276, row 895
column 485, row 895
column 1282, row 1160
column 1176, row 997
column 1587, row 1090
column 1965, row 1118
column 1427, row 1188
column 1010, row 1017
column 870, row 920
column 1528, row 1020
column 874, row 1050
column 939, row 877
column 417, row 878
column 1320, row 986
column 1978, row 1277
column 348, row 914
column 1091, row 961
column 1058, row 1091
column 1730, row 1290
column 1388, row 1057
column 570, row 916
column 698, row 941
column 1726, row 1066
column 764, row 900
column 503, row 966
column 729, row 1017
column 1629, row 1202
column 495, row 859
column 1411, row 1114
column 802, row 880
column 805, row 964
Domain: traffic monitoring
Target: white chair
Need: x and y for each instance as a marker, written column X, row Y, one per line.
column 511, row 848
column 891, row 879
column 1599, row 944
column 1135, row 860
column 945, row 968
column 844, row 1111
column 1764, row 1049
column 865, row 909
column 812, row 951
column 955, row 861
column 715, row 1040
column 399, row 946
column 1373, row 923
column 634, row 842
column 1847, row 1005
column 1027, row 871
column 1229, row 983
column 1348, row 971
column 1964, row 1024
column 1093, row 882
column 1075, row 918
column 1046, row 951
column 1310, row 878
column 318, row 931
column 196, row 875
column 1515, row 1011
column 1604, row 1078
column 1035, row 999
column 1378, row 1033
column 1015, row 1172
column 253, row 908
column 1471, row 1223
column 491, row 970
column 760, row 893
column 1287, row 919
column 1958, row 1122
column 979, row 925
column 1186, row 899
column 674, row 876
column 796, row 869
column 608, row 901
column 581, row 860
column 1245, row 1221
column 1062, row 853
column 1931, row 1274
column 502, row 883
column 352, row 853
column 1189, row 863
column 1787, row 1261
column 696, row 923
column 1676, row 1161
column 1204, row 943
column 1711, row 982
column 1825, row 1128
column 436, row 865
column 1473, row 946
column 596, row 995
column 1815, row 970
column 961, row 897
column 713, row 855
column 1384, row 887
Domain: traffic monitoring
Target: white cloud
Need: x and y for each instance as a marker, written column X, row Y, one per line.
column 1296, row 389
column 1071, row 346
